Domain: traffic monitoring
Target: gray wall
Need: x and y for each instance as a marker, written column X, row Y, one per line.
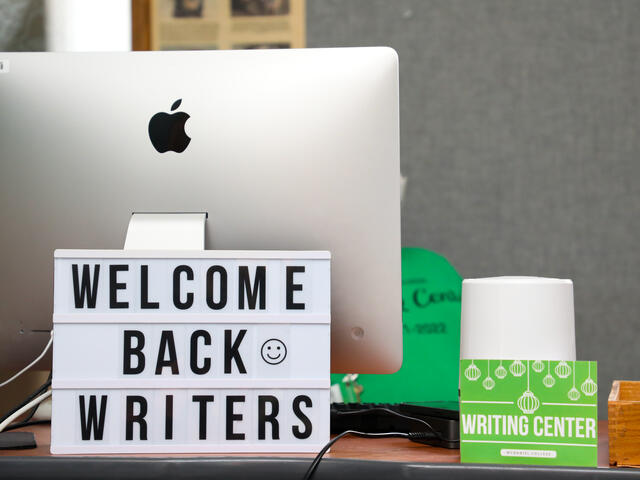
column 520, row 138
column 520, row 125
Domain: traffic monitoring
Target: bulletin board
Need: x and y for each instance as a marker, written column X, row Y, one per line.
column 218, row 24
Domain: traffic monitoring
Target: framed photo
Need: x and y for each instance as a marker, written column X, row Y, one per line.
column 259, row 8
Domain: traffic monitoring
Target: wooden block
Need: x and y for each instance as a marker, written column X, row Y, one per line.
column 624, row 424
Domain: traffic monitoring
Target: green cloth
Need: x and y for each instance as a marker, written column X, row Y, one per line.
column 431, row 290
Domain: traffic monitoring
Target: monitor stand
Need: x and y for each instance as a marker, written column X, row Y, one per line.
column 166, row 231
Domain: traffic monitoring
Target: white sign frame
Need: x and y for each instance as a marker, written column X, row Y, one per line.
column 128, row 341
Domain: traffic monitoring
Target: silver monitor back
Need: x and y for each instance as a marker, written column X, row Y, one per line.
column 290, row 149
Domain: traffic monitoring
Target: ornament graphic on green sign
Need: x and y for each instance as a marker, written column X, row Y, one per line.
column 563, row 370
column 528, row 402
column 517, row 368
column 488, row 383
column 574, row 394
column 537, row 366
column 500, row 372
column 472, row 372
column 589, row 387
column 548, row 379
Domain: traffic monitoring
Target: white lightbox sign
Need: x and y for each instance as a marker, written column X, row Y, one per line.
column 190, row 351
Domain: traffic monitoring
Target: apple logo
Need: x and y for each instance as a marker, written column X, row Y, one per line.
column 166, row 130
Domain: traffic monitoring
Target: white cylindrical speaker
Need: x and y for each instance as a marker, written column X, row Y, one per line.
column 517, row 318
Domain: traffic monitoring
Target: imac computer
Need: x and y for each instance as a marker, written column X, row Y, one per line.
column 285, row 150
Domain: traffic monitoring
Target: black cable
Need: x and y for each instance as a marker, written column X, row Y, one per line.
column 34, row 409
column 38, row 392
column 316, row 461
column 398, row 414
column 43, row 388
column 13, row 426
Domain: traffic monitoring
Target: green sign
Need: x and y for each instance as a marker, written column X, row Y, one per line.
column 535, row 412
column 431, row 290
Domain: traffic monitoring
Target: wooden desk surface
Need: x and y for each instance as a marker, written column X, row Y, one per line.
column 389, row 449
